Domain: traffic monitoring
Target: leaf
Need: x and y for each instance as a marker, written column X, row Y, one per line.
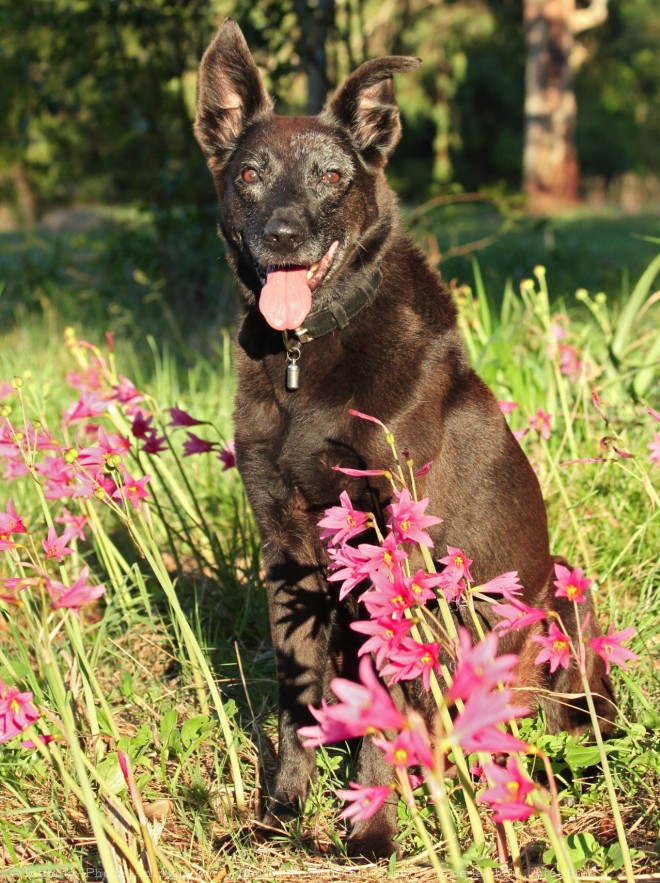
column 582, row 848
column 167, row 725
column 192, row 728
column 581, row 757
column 633, row 306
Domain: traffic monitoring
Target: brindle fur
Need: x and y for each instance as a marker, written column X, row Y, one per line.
column 400, row 359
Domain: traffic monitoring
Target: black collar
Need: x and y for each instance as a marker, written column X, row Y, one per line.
column 339, row 313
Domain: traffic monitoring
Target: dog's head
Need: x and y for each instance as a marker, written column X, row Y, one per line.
column 303, row 200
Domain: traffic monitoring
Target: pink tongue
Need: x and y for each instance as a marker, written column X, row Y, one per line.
column 285, row 299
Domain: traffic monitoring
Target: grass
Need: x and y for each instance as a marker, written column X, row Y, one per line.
column 173, row 666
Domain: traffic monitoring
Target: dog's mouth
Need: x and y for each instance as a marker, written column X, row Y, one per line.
column 286, row 296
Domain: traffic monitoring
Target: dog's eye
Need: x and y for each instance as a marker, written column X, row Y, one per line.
column 250, row 176
column 331, row 177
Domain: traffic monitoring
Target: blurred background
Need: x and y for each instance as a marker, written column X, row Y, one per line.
column 531, row 135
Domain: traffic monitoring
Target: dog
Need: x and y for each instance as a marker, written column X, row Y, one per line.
column 342, row 311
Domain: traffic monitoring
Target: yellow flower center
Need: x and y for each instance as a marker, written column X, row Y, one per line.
column 400, row 755
column 513, row 788
column 559, row 646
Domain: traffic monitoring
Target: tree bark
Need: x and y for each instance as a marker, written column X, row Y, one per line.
column 316, row 24
column 551, row 168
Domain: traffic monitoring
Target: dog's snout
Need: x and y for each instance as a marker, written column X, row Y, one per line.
column 284, row 232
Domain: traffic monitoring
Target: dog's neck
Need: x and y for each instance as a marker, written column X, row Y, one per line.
column 338, row 313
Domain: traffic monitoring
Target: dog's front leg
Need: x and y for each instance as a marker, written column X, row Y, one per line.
column 301, row 615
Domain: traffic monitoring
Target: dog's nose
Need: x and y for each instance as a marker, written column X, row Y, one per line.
column 284, row 233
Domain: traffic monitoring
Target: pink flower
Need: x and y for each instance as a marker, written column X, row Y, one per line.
column 342, row 523
column 556, row 648
column 154, row 443
column 506, row 796
column 58, row 477
column 363, row 802
column 76, row 595
column 11, row 521
column 516, row 615
column 126, row 392
column 75, row 524
column 654, row 414
column 507, row 407
column 362, row 416
column 459, row 562
column 6, row 541
column 410, row 747
column 383, row 559
column 227, row 456
column 654, row 448
column 412, row 660
column 183, row 418
column 386, row 633
column 476, row 727
column 360, row 473
column 570, row 583
column 407, row 521
column 93, row 486
column 390, row 594
column 346, row 566
column 519, row 434
column 91, row 378
column 506, row 584
column 134, row 489
column 422, row 585
column 610, row 647
column 569, row 361
column 142, row 424
column 479, row 668
column 12, row 585
column 56, row 547
column 90, row 404
column 451, row 584
column 196, row 445
column 541, row 423
column 363, row 708
column 16, row 712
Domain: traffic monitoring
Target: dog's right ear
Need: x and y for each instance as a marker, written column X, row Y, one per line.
column 230, row 94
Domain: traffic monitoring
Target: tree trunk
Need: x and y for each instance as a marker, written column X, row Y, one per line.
column 316, row 24
column 551, row 169
column 25, row 198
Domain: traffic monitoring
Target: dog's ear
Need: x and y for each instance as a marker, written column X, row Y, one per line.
column 230, row 94
column 365, row 105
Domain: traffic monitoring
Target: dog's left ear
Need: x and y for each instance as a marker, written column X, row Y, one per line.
column 365, row 105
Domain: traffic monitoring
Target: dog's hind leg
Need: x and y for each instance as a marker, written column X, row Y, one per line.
column 373, row 838
column 567, row 708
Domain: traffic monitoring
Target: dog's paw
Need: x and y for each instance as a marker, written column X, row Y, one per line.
column 275, row 817
column 372, row 839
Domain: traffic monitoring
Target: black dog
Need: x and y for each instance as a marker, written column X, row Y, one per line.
column 313, row 236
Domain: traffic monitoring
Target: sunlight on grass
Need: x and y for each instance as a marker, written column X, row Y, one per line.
column 140, row 711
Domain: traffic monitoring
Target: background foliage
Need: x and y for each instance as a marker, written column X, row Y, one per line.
column 98, row 95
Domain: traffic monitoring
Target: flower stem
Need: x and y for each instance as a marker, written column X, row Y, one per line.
column 609, row 781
